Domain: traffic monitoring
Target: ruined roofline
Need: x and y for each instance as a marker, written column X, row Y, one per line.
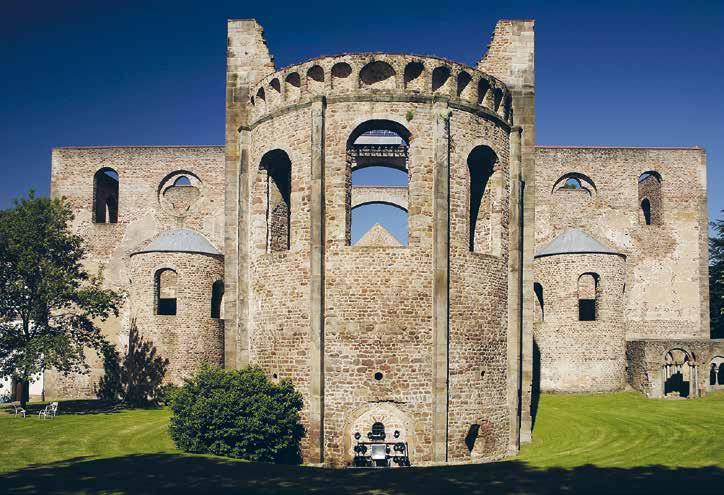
column 609, row 147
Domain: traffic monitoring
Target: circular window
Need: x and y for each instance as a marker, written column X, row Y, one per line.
column 378, row 376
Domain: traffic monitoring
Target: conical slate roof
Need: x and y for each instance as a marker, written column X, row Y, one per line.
column 378, row 236
column 180, row 241
column 573, row 241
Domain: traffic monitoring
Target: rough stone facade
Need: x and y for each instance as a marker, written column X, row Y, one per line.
column 443, row 339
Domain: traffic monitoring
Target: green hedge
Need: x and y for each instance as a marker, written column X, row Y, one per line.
column 237, row 413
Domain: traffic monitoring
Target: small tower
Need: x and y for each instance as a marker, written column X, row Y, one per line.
column 176, row 297
column 579, row 331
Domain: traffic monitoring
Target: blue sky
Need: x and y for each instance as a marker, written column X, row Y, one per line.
column 121, row 73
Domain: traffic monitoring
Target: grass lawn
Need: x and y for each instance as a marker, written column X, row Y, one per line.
column 582, row 443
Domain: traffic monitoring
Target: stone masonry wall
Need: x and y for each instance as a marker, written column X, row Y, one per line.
column 646, row 358
column 580, row 356
column 666, row 274
column 191, row 336
column 146, row 208
column 378, row 301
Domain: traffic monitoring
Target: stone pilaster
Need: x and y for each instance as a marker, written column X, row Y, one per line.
column 316, row 285
column 247, row 60
column 441, row 278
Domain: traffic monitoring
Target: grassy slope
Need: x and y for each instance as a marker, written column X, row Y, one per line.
column 625, row 430
column 583, row 443
column 100, row 435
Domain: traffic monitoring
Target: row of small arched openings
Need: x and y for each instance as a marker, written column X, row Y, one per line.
column 588, row 295
column 469, row 86
column 484, row 186
column 648, row 188
column 166, row 295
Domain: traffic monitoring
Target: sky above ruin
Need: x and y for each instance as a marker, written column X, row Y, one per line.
column 145, row 73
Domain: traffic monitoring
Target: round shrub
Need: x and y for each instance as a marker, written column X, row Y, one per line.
column 237, row 413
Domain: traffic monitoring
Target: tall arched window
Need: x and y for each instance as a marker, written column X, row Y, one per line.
column 166, row 280
column 649, row 189
column 588, row 293
column 278, row 168
column 105, row 196
column 377, row 192
column 217, row 299
column 483, row 207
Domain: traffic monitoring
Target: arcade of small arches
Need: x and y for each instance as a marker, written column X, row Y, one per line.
column 382, row 72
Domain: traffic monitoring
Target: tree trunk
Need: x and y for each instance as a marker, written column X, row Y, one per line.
column 22, row 392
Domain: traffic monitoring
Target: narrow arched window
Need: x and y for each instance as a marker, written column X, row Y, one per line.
column 588, row 297
column 105, row 196
column 649, row 190
column 217, row 299
column 278, row 168
column 539, row 314
column 482, row 200
column 166, row 280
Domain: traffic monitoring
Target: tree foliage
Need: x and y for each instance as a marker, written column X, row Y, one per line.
column 48, row 301
column 716, row 279
column 135, row 378
column 238, row 413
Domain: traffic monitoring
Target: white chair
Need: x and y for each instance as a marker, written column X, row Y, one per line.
column 19, row 410
column 49, row 412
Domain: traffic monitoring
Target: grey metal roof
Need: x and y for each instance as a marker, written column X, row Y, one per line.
column 573, row 241
column 180, row 241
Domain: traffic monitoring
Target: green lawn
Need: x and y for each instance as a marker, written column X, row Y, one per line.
column 582, row 443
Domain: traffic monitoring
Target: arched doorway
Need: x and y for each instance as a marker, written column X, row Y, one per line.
column 679, row 374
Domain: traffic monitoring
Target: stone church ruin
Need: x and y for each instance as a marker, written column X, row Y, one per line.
column 525, row 268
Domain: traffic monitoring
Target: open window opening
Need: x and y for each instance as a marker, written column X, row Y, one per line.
column 105, row 196
column 588, row 292
column 166, row 290
column 278, row 170
column 377, row 156
column 485, row 184
column 217, row 299
column 678, row 374
column 575, row 181
column 539, row 311
column 649, row 191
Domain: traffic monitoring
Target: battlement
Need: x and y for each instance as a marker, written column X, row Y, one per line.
column 384, row 76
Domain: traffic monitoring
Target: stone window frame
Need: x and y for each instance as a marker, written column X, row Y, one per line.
column 157, row 292
column 217, row 306
column 493, row 186
column 110, row 199
column 268, row 162
column 362, row 127
column 654, row 198
column 586, row 184
column 597, row 296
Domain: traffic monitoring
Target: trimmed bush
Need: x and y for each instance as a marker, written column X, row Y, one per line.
column 237, row 413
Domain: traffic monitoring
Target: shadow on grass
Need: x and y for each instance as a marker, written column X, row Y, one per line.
column 154, row 473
